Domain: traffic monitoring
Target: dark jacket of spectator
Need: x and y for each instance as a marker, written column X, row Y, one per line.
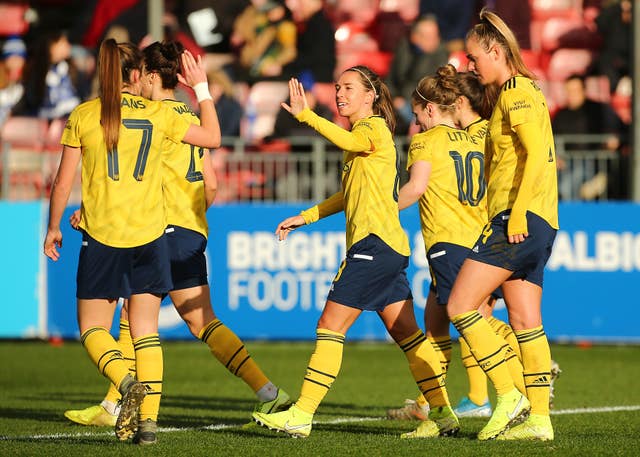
column 316, row 50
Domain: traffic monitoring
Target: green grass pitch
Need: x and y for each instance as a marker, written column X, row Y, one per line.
column 597, row 409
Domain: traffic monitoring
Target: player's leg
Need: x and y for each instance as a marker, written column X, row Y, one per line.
column 194, row 306
column 474, row 283
column 191, row 297
column 426, row 368
column 322, row 370
column 524, row 300
column 106, row 413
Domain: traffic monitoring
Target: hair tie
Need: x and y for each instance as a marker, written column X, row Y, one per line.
column 431, row 101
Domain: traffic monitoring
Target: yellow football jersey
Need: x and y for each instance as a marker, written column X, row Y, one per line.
column 477, row 131
column 453, row 209
column 521, row 101
column 370, row 188
column 183, row 183
column 370, row 179
column 122, row 200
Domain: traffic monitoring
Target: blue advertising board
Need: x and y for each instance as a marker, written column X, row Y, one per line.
column 265, row 289
column 22, row 271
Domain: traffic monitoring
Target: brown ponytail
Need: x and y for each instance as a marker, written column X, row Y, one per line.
column 493, row 30
column 115, row 64
column 481, row 98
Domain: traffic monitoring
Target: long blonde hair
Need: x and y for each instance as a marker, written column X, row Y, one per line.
column 116, row 61
column 493, row 30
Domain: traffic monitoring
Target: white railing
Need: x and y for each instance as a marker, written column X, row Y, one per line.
column 308, row 169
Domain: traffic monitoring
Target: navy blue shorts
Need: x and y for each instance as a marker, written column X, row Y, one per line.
column 527, row 259
column 110, row 273
column 371, row 277
column 445, row 261
column 186, row 254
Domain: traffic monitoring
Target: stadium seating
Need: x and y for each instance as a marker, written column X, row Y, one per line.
column 13, row 18
column 263, row 104
column 23, row 157
column 377, row 61
column 459, row 60
column 565, row 62
column 566, row 32
column 545, row 9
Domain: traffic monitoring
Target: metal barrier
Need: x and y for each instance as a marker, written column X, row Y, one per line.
column 591, row 167
column 301, row 169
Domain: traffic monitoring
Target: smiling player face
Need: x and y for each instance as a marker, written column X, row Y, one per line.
column 352, row 98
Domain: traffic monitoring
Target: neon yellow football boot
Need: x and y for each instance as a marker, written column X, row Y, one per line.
column 511, row 408
column 292, row 421
column 536, row 427
column 93, row 415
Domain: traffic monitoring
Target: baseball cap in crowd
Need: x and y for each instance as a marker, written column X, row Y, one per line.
column 14, row 47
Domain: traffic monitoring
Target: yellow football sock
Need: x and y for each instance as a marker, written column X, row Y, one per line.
column 425, row 367
column 230, row 351
column 442, row 345
column 149, row 369
column 536, row 359
column 514, row 362
column 126, row 347
column 323, row 368
column 486, row 347
column 478, row 392
column 105, row 353
column 505, row 331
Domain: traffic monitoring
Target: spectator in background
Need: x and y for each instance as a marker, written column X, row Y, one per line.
column 418, row 55
column 14, row 53
column 50, row 78
column 614, row 25
column 584, row 116
column 391, row 24
column 454, row 19
column 227, row 106
column 246, row 24
column 316, row 44
column 274, row 45
column 287, row 125
column 211, row 25
column 517, row 15
column 104, row 12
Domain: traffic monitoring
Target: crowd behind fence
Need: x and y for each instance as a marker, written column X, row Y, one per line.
column 587, row 170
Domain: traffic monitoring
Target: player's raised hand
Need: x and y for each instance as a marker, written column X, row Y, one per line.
column 297, row 98
column 193, row 70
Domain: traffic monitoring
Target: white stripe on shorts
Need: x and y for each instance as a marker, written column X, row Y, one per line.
column 505, row 217
column 437, row 254
column 363, row 256
column 169, row 230
column 85, row 243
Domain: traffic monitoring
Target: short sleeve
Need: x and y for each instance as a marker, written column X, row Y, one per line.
column 419, row 150
column 71, row 133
